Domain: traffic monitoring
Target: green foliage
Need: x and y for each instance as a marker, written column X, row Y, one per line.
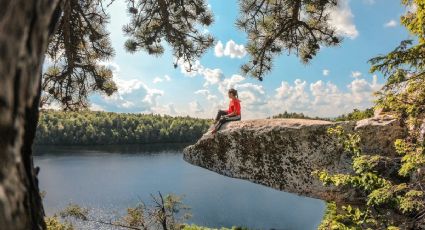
column 412, row 157
column 75, row 51
column 89, row 128
column 404, row 68
column 296, row 115
column 179, row 23
column 412, row 201
column 74, row 210
column 80, row 45
column 391, row 201
column 356, row 115
column 274, row 27
column 196, row 227
column 351, row 219
column 378, row 193
column 350, row 142
column 53, row 223
column 353, row 116
column 366, row 163
column 135, row 216
column 168, row 213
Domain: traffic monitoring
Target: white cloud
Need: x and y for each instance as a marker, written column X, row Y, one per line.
column 114, row 67
column 161, row 79
column 190, row 71
column 195, row 107
column 323, row 99
column 326, row 72
column 320, row 98
column 128, row 86
column 212, row 76
column 228, row 83
column 167, row 109
column 206, row 93
column 157, row 80
column 391, row 23
column 290, row 96
column 152, row 96
column 231, row 50
column 341, row 18
column 325, row 93
column 96, row 107
column 356, row 74
column 219, row 49
column 133, row 95
column 252, row 95
column 167, row 78
column 361, row 90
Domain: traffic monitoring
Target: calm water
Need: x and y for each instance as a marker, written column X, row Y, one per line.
column 112, row 178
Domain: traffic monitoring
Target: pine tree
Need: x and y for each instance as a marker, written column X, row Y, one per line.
column 176, row 22
column 76, row 50
column 292, row 26
column 391, row 187
column 81, row 43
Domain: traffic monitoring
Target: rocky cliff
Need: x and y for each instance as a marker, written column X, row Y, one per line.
column 282, row 153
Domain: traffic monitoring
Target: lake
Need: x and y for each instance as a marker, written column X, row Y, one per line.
column 111, row 178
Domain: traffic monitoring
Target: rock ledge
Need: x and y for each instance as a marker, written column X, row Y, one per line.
column 282, row 153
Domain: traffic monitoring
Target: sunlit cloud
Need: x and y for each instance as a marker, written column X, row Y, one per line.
column 342, row 19
column 231, row 50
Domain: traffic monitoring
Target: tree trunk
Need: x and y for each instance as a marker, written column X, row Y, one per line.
column 24, row 30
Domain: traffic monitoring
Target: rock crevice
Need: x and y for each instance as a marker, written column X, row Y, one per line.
column 283, row 153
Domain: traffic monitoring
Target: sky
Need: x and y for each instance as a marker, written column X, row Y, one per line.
column 335, row 82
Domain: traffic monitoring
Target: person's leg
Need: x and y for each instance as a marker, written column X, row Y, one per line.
column 225, row 119
column 234, row 118
column 219, row 114
column 218, row 124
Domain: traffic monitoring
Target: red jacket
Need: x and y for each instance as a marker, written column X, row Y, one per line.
column 235, row 105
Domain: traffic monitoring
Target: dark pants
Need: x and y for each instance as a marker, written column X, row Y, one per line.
column 221, row 118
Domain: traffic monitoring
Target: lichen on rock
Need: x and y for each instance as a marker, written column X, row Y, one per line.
column 283, row 153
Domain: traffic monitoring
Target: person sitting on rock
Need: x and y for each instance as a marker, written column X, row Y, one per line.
column 232, row 114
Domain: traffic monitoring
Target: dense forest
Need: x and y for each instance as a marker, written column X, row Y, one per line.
column 287, row 114
column 355, row 115
column 89, row 128
column 101, row 128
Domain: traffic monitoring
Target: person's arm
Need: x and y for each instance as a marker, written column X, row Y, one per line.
column 231, row 108
column 232, row 114
column 237, row 108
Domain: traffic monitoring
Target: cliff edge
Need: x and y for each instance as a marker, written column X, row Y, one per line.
column 282, row 153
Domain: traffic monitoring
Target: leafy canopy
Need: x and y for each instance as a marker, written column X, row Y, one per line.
column 390, row 188
column 277, row 26
column 81, row 43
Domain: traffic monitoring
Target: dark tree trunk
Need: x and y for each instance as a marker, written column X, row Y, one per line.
column 24, row 30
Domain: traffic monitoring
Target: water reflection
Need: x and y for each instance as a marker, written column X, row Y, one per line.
column 116, row 177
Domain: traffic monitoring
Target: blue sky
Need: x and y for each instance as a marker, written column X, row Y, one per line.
column 335, row 82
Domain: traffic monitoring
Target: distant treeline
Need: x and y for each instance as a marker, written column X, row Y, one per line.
column 352, row 116
column 91, row 128
column 356, row 115
column 296, row 115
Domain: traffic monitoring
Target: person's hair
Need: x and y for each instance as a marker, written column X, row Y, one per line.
column 234, row 92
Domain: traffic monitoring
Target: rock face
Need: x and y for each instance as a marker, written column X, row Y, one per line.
column 282, row 153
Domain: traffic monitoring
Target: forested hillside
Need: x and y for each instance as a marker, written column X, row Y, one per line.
column 89, row 128
column 287, row 114
column 355, row 115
